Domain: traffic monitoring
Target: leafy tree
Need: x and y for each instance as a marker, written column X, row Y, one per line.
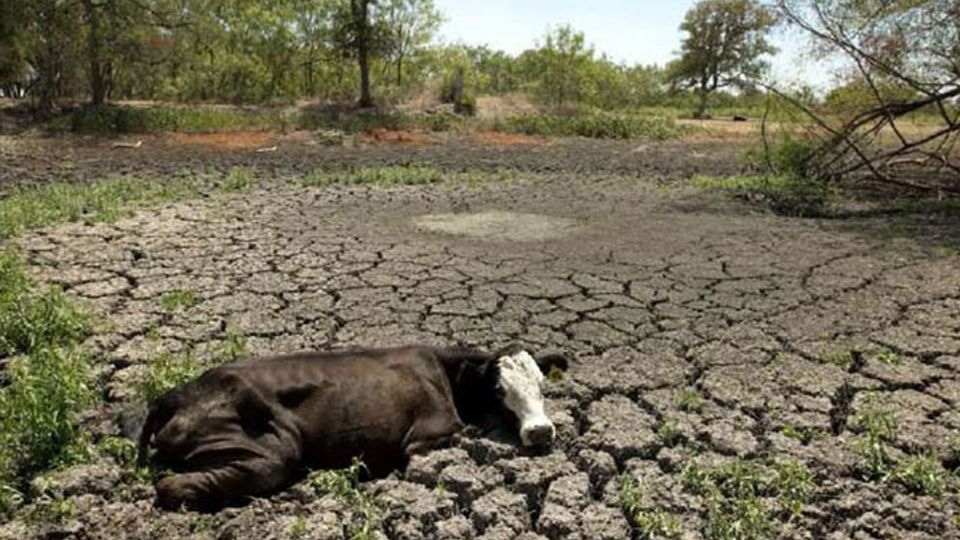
column 360, row 34
column 559, row 65
column 410, row 24
column 725, row 44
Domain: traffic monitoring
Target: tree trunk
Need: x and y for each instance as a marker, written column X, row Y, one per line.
column 98, row 87
column 363, row 49
column 399, row 70
column 702, row 105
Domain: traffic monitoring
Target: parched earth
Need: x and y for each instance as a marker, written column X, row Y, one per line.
column 736, row 329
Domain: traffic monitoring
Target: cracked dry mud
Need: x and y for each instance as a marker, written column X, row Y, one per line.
column 655, row 293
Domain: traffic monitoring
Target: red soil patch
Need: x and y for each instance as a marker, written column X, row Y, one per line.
column 496, row 138
column 239, row 140
column 390, row 136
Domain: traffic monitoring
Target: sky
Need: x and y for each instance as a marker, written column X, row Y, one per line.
column 633, row 31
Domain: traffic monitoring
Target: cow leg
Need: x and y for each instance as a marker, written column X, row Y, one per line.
column 213, row 488
column 429, row 433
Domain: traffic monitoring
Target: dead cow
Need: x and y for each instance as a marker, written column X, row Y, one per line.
column 252, row 427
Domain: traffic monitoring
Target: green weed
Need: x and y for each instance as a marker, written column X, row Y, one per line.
column 599, row 124
column 234, row 346
column 736, row 496
column 922, row 474
column 31, row 320
column 793, row 484
column 655, row 523
column 888, row 357
column 669, row 434
column 167, row 372
column 238, row 179
column 102, row 201
column 839, row 357
column 121, row 449
column 299, row 527
column 785, row 194
column 690, row 400
column 344, row 485
column 39, row 409
column 878, row 427
column 178, row 300
column 46, row 383
column 803, row 434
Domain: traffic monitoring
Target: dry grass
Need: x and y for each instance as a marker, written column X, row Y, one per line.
column 239, row 140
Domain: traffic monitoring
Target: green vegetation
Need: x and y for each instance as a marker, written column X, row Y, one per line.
column 842, row 357
column 121, row 449
column 669, row 434
column 344, row 485
column 156, row 119
column 555, row 374
column 178, row 300
column 725, row 43
column 878, row 427
column 654, row 523
column 238, row 179
column 46, row 383
column 923, row 474
column 736, row 495
column 888, row 357
column 299, row 527
column 168, row 371
column 785, row 194
column 102, row 201
column 690, row 400
column 806, row 435
column 597, row 124
column 234, row 346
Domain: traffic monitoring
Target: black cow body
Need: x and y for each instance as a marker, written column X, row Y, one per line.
column 252, row 427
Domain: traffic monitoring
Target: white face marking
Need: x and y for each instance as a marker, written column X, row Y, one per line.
column 520, row 380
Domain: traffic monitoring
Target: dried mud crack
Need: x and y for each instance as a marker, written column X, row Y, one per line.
column 701, row 336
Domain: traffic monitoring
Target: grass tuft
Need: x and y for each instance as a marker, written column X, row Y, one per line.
column 650, row 523
column 785, row 194
column 878, row 426
column 922, row 474
column 166, row 372
column 737, row 496
column 179, row 300
column 103, row 201
column 344, row 485
column 690, row 400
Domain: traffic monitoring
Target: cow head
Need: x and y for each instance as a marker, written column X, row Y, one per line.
column 519, row 382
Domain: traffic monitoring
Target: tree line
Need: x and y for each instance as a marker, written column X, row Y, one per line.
column 244, row 51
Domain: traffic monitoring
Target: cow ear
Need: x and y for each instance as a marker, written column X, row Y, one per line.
column 550, row 362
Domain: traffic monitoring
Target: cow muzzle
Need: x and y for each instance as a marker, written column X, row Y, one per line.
column 541, row 433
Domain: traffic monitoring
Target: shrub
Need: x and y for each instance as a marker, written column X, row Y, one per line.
column 785, row 194
column 125, row 119
column 39, row 408
column 30, row 320
column 597, row 124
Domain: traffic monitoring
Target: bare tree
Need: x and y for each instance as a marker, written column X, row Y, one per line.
column 913, row 46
